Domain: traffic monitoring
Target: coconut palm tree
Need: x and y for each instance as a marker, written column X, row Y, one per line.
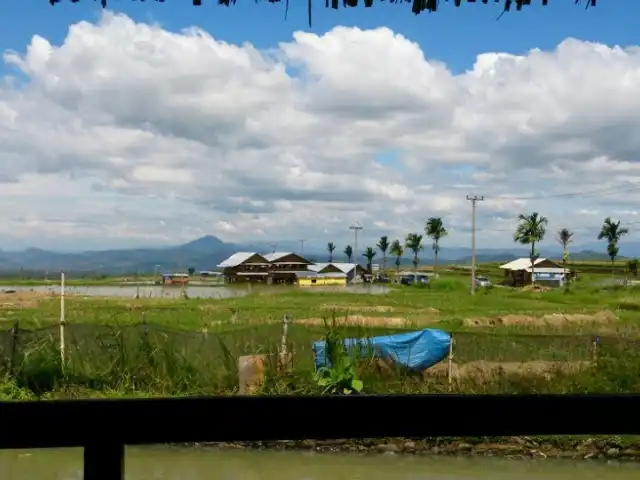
column 348, row 251
column 369, row 253
column 414, row 243
column 397, row 250
column 612, row 233
column 565, row 238
column 383, row 246
column 531, row 230
column 434, row 229
column 331, row 248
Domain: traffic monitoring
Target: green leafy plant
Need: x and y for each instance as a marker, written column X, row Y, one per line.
column 339, row 377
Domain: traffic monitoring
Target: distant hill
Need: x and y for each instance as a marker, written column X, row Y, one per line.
column 591, row 255
column 206, row 252
column 202, row 254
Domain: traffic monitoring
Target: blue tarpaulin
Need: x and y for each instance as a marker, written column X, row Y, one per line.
column 414, row 350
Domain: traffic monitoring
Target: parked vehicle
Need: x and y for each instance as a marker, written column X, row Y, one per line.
column 382, row 279
column 413, row 278
column 483, row 282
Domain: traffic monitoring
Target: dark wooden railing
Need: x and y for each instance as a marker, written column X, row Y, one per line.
column 104, row 427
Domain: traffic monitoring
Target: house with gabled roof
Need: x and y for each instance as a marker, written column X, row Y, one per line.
column 286, row 267
column 350, row 270
column 245, row 267
column 520, row 272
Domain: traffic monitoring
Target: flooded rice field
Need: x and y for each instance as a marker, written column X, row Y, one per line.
column 193, row 291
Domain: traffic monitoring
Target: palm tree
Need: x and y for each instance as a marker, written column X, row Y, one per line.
column 348, row 251
column 434, row 229
column 383, row 246
column 331, row 248
column 414, row 243
column 369, row 253
column 397, row 251
column 531, row 229
column 565, row 237
column 612, row 233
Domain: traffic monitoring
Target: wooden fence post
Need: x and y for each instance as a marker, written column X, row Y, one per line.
column 285, row 358
column 595, row 346
column 145, row 328
column 15, row 337
column 62, row 322
column 450, row 373
column 285, row 332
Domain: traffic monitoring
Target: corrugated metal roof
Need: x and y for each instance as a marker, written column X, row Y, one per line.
column 236, row 259
column 343, row 267
column 305, row 274
column 521, row 263
column 316, row 267
column 273, row 256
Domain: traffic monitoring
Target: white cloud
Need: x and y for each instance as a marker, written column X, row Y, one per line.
column 130, row 133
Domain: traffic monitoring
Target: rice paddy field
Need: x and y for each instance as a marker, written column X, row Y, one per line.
column 583, row 338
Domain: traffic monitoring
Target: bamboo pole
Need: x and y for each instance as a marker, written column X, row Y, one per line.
column 62, row 320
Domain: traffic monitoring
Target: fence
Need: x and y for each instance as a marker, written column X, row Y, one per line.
column 107, row 356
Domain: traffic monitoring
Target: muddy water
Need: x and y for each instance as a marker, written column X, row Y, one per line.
column 161, row 463
column 194, row 291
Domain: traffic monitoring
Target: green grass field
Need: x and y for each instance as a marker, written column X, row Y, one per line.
column 153, row 346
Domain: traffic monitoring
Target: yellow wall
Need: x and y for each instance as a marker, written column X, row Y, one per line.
column 308, row 282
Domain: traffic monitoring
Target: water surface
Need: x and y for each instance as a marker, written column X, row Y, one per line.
column 195, row 291
column 164, row 463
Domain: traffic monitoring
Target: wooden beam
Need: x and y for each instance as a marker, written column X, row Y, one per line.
column 77, row 423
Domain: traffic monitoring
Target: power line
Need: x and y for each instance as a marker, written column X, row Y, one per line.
column 623, row 188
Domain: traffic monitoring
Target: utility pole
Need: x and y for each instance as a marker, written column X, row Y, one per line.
column 474, row 200
column 302, row 246
column 356, row 228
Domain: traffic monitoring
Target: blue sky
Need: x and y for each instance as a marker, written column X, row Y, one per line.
column 409, row 131
column 453, row 35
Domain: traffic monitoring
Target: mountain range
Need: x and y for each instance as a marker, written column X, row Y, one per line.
column 206, row 252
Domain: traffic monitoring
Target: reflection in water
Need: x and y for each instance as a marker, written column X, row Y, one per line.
column 163, row 463
column 194, row 291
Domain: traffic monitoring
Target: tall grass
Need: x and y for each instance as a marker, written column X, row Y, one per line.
column 191, row 347
column 149, row 360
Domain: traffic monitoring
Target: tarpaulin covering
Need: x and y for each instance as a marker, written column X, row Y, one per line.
column 414, row 350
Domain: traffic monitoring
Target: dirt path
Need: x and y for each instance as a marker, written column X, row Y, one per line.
column 483, row 369
column 359, row 320
column 18, row 300
column 604, row 317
